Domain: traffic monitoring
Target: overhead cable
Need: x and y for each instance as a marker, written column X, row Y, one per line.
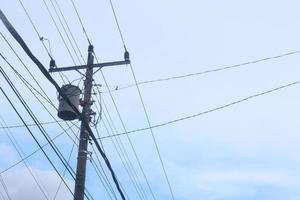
column 34, row 152
column 207, row 111
column 47, row 75
column 21, row 154
column 152, row 134
column 35, row 139
column 209, row 71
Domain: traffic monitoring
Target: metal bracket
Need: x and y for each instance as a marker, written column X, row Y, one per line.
column 99, row 65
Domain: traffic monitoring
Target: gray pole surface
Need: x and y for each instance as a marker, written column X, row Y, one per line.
column 84, row 136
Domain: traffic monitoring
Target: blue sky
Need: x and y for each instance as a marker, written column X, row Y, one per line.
column 247, row 151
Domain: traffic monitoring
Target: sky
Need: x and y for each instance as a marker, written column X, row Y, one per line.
column 248, row 151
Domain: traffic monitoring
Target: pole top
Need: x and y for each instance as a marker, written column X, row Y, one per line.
column 91, row 48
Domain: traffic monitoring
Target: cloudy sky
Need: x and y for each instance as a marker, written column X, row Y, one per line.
column 246, row 151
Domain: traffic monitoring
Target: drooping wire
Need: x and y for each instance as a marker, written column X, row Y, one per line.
column 208, row 111
column 217, row 69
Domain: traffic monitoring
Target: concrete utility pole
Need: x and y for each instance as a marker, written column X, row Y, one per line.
column 86, row 114
column 84, row 135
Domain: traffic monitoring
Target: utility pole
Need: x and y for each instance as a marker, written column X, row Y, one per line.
column 86, row 114
column 84, row 135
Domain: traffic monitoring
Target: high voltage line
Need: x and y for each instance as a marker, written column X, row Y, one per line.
column 189, row 116
column 210, row 110
column 136, row 84
column 217, row 69
column 46, row 74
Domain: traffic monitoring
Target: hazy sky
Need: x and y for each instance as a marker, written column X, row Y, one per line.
column 246, row 151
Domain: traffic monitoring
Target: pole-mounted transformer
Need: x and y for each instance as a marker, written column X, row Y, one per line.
column 65, row 111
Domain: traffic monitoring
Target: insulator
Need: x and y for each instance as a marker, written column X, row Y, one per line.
column 126, row 55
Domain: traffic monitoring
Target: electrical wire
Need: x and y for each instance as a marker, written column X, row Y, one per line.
column 29, row 125
column 5, row 187
column 26, row 83
column 123, row 155
column 64, row 172
column 217, row 69
column 117, row 23
column 21, row 153
column 38, row 34
column 66, row 33
column 47, row 75
column 61, row 36
column 34, row 152
column 34, row 27
column 37, row 142
column 208, row 111
column 152, row 134
column 68, row 168
column 74, row 6
column 121, row 150
column 69, row 29
column 81, row 23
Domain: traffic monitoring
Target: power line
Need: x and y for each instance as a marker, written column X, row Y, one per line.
column 117, row 23
column 34, row 27
column 34, row 152
column 47, row 75
column 37, row 142
column 208, row 111
column 80, row 20
column 64, row 18
column 144, row 108
column 21, row 153
column 65, row 170
column 125, row 130
column 120, row 148
column 123, row 155
column 34, row 118
column 217, row 69
column 5, row 187
column 66, row 32
column 61, row 36
column 29, row 125
column 61, row 157
column 40, row 37
column 81, row 23
column 152, row 134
